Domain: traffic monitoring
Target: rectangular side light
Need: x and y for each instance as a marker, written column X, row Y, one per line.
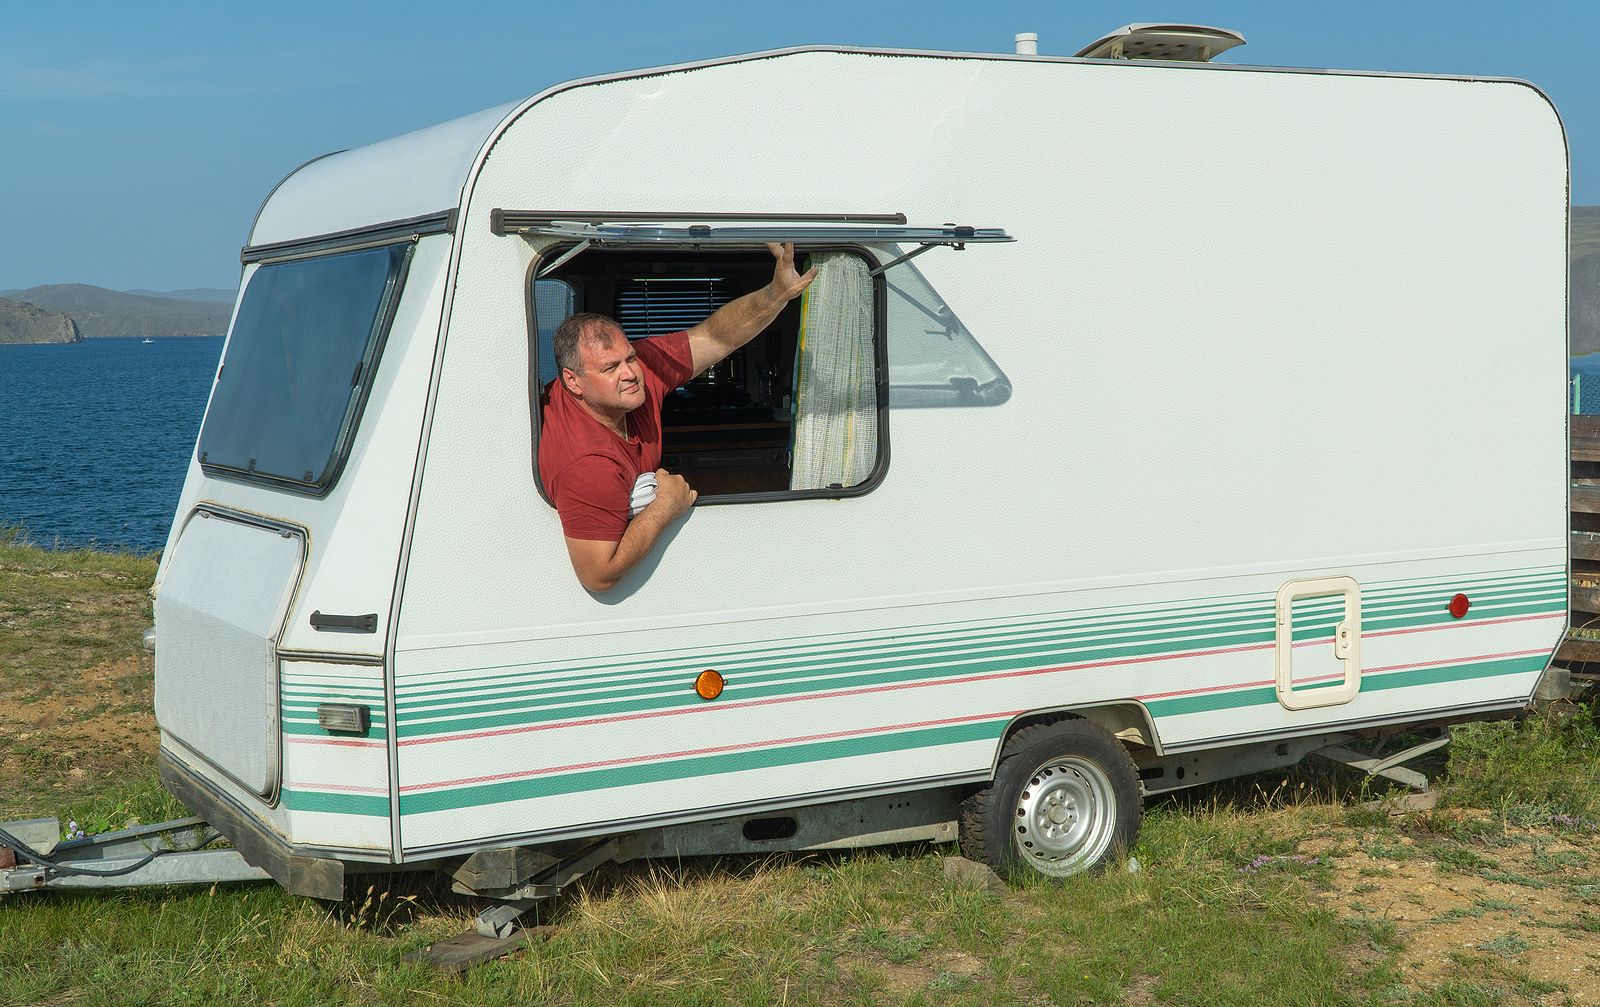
column 344, row 718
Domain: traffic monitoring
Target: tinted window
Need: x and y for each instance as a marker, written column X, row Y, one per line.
column 298, row 366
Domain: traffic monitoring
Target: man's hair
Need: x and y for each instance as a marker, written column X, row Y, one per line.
column 585, row 326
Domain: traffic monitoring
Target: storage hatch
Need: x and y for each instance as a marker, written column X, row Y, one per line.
column 219, row 614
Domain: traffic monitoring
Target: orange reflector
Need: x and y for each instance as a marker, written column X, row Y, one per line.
column 708, row 684
column 1459, row 605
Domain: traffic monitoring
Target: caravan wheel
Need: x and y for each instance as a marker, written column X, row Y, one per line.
column 1065, row 799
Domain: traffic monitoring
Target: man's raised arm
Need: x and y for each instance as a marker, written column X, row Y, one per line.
column 741, row 320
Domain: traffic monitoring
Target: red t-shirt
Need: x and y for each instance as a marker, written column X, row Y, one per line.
column 587, row 469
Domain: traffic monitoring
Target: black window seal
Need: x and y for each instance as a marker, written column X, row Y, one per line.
column 880, row 321
column 387, row 233
column 347, row 437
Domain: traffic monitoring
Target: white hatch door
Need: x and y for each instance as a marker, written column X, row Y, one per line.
column 1318, row 651
column 219, row 613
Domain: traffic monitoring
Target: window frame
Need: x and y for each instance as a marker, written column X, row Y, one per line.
column 378, row 339
column 880, row 364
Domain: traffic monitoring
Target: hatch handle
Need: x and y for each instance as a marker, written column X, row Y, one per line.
column 360, row 623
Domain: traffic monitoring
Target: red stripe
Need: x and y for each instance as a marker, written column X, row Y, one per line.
column 961, row 680
column 714, row 750
column 343, row 788
column 299, row 739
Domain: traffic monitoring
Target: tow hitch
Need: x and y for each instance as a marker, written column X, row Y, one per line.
column 33, row 857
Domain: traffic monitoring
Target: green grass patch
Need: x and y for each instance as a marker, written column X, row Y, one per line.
column 1506, row 945
column 1452, row 857
column 70, row 629
column 1540, row 771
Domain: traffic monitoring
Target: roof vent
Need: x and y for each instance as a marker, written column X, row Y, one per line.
column 1194, row 43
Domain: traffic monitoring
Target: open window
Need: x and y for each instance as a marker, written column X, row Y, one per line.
column 801, row 410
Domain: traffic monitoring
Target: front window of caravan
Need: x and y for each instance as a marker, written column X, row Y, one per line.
column 299, row 365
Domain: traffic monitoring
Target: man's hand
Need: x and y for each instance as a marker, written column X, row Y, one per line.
column 786, row 281
column 674, row 494
column 741, row 320
column 599, row 565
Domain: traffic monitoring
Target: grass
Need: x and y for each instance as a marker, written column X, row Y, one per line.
column 1281, row 889
column 70, row 628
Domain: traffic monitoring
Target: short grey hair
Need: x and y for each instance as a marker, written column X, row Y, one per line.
column 585, row 326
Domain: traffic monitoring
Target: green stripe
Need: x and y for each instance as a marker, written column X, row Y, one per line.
column 705, row 765
column 313, row 730
column 333, row 695
column 513, row 713
column 1376, row 616
column 506, row 701
column 1369, row 683
column 337, row 804
column 895, row 675
column 375, row 714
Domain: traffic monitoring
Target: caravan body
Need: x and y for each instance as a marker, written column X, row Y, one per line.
column 1272, row 372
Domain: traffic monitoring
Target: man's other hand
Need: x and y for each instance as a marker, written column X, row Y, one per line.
column 674, row 494
column 600, row 565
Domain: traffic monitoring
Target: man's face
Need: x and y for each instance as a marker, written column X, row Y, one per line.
column 611, row 381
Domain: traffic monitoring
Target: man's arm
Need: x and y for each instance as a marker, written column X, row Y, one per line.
column 600, row 564
column 741, row 320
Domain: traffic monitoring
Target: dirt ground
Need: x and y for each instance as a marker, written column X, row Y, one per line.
column 1526, row 899
column 58, row 740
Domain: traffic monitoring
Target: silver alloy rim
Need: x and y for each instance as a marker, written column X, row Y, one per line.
column 1066, row 817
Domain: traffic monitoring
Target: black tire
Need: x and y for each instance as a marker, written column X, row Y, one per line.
column 1064, row 800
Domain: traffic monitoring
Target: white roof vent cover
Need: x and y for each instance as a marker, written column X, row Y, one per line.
column 1195, row 43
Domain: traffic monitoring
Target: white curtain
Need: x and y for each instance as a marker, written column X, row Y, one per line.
column 836, row 402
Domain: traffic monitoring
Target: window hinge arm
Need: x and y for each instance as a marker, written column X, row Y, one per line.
column 564, row 256
column 908, row 256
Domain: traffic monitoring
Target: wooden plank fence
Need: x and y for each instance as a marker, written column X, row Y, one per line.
column 1580, row 651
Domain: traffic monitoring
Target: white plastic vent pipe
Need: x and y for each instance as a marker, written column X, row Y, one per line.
column 1027, row 43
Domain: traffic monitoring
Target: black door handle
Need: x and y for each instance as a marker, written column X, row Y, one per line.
column 360, row 623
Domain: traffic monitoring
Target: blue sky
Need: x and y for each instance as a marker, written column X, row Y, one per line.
column 138, row 139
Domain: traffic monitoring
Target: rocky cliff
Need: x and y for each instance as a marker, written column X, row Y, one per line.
column 100, row 312
column 29, row 323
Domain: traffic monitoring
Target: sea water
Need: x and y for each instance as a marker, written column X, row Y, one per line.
column 96, row 437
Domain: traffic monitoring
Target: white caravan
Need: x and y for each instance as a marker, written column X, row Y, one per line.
column 1150, row 422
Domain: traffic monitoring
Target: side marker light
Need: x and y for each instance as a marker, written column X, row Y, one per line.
column 344, row 718
column 1459, row 605
column 708, row 684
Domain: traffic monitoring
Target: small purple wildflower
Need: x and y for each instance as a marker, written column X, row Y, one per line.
column 1267, row 859
column 73, row 832
column 1574, row 822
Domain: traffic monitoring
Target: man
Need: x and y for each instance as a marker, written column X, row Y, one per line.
column 600, row 446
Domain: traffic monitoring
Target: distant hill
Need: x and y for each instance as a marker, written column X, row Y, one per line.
column 214, row 295
column 101, row 313
column 28, row 323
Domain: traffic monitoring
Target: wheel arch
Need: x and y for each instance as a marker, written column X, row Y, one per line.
column 1127, row 720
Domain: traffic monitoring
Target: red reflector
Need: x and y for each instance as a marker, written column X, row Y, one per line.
column 1459, row 605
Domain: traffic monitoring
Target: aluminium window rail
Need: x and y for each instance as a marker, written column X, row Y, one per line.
column 589, row 236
